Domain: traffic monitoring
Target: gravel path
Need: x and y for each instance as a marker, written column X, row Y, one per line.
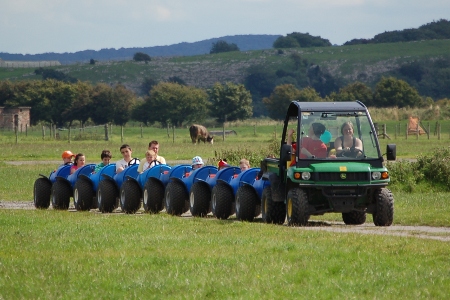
column 423, row 232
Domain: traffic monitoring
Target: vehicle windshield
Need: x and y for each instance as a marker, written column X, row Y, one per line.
column 334, row 135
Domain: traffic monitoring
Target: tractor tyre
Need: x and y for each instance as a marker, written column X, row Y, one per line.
column 107, row 196
column 272, row 212
column 83, row 195
column 297, row 207
column 153, row 196
column 61, row 192
column 130, row 197
column 354, row 217
column 221, row 201
column 176, row 198
column 41, row 193
column 246, row 201
column 199, row 199
column 384, row 213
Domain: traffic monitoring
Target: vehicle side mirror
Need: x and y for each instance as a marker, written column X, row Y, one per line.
column 285, row 155
column 391, row 152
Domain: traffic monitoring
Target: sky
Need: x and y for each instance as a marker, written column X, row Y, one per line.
column 40, row 26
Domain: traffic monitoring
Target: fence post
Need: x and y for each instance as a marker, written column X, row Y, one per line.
column 121, row 134
column 26, row 129
column 439, row 131
column 16, row 128
column 428, row 131
column 395, row 135
column 254, row 130
column 106, row 133
column 70, row 129
column 406, row 131
column 417, row 131
column 43, row 132
column 384, row 131
column 141, row 132
column 173, row 134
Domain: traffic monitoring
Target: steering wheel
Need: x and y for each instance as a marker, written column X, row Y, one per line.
column 354, row 153
column 134, row 161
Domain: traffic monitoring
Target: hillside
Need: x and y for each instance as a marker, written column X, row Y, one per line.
column 244, row 42
column 365, row 63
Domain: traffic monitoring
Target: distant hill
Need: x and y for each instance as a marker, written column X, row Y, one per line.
column 244, row 42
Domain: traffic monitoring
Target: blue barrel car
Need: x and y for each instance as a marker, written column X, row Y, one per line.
column 43, row 186
column 181, row 181
column 222, row 194
column 248, row 189
column 108, row 192
column 63, row 187
column 149, row 186
column 86, row 186
column 203, row 180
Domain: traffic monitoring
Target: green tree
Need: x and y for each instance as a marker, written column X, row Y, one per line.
column 391, row 92
column 278, row 102
column 223, row 46
column 352, row 92
column 140, row 56
column 102, row 109
column 230, row 102
column 172, row 103
column 123, row 102
column 298, row 39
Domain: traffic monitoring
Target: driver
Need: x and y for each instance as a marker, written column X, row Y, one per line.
column 122, row 164
column 347, row 145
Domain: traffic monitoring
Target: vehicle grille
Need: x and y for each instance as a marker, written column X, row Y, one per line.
column 336, row 176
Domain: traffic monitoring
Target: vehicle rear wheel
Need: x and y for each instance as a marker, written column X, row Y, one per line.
column 221, row 201
column 384, row 213
column 246, row 199
column 272, row 212
column 354, row 217
column 297, row 207
column 107, row 196
column 130, row 197
column 199, row 199
column 175, row 198
column 83, row 195
column 153, row 196
column 61, row 192
column 41, row 193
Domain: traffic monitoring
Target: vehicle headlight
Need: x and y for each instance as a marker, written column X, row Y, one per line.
column 376, row 175
column 306, row 175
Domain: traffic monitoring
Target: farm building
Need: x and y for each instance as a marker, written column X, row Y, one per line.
column 28, row 64
column 15, row 117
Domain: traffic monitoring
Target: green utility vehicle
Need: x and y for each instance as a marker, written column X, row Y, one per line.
column 325, row 178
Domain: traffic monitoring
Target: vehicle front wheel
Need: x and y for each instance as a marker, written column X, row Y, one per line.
column 297, row 207
column 384, row 212
column 354, row 217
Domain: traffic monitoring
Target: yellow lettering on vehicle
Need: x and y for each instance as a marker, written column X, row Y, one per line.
column 343, row 169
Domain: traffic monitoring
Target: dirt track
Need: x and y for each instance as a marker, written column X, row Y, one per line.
column 423, row 232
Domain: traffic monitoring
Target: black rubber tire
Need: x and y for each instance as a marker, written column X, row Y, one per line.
column 42, row 191
column 61, row 192
column 246, row 201
column 354, row 217
column 153, row 196
column 222, row 199
column 83, row 195
column 107, row 196
column 297, row 207
column 384, row 213
column 272, row 212
column 130, row 197
column 175, row 198
column 199, row 199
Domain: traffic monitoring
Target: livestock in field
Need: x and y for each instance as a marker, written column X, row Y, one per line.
column 200, row 133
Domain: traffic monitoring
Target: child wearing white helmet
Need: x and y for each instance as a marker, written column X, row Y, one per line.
column 197, row 162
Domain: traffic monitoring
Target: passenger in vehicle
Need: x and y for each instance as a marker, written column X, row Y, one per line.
column 78, row 162
column 151, row 161
column 67, row 157
column 312, row 145
column 126, row 152
column 347, row 145
column 106, row 157
column 244, row 164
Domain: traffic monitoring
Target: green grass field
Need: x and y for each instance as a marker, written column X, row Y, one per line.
column 71, row 255
column 83, row 255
